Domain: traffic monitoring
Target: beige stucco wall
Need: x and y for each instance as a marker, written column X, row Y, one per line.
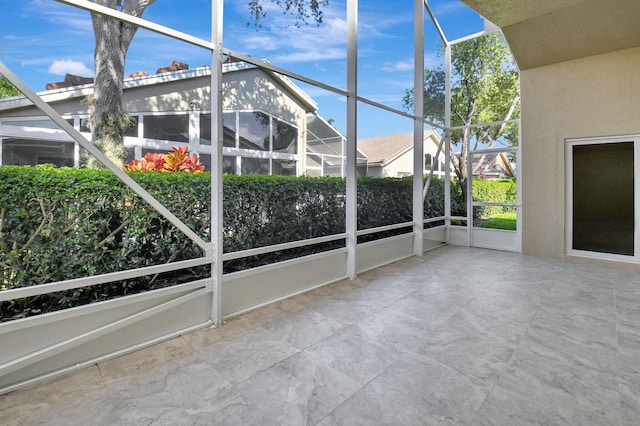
column 590, row 97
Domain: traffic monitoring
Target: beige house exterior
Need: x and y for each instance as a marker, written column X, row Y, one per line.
column 392, row 155
column 579, row 64
column 264, row 114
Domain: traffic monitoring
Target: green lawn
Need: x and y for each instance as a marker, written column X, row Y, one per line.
column 500, row 221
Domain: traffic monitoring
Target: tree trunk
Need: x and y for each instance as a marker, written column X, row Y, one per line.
column 113, row 38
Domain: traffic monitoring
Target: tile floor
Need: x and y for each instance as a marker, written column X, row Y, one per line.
column 459, row 337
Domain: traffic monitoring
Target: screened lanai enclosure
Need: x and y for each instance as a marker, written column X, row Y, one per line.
column 98, row 262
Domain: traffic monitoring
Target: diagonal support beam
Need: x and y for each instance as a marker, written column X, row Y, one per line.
column 76, row 136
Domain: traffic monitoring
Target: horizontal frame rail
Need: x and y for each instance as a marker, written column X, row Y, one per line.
column 40, row 289
column 283, row 246
column 37, row 356
column 383, row 228
column 434, row 219
column 490, row 204
column 493, row 150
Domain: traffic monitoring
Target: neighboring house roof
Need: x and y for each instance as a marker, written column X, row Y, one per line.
column 494, row 164
column 164, row 75
column 384, row 149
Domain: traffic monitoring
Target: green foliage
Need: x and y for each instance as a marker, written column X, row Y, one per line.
column 485, row 88
column 63, row 223
column 500, row 191
column 109, row 131
column 7, row 89
column 506, row 221
column 59, row 224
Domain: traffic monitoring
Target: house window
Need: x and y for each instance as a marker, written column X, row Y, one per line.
column 284, row 167
column 228, row 128
column 167, row 127
column 428, row 161
column 254, row 131
column 258, row 143
column 285, row 137
column 132, row 130
column 229, row 164
column 254, row 166
column 24, row 152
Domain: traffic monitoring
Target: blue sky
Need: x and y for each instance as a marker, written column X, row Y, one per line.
column 42, row 40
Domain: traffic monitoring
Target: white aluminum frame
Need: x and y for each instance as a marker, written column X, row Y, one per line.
column 569, row 250
column 162, row 307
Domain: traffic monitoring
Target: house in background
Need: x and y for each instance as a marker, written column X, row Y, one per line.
column 494, row 166
column 392, row 155
column 265, row 119
column 326, row 150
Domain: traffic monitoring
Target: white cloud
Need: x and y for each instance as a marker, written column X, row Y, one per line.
column 67, row 66
column 64, row 17
column 397, row 66
column 311, row 55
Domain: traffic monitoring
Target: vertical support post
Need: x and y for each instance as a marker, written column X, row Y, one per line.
column 215, row 251
column 469, row 197
column 519, row 188
column 352, row 137
column 76, row 145
column 76, row 154
column 194, row 126
column 418, row 126
column 447, row 141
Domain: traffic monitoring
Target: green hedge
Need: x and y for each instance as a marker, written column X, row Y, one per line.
column 63, row 223
column 499, row 191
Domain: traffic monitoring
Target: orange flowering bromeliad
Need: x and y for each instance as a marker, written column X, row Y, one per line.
column 176, row 161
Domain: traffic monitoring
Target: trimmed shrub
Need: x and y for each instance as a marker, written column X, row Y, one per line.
column 497, row 191
column 63, row 223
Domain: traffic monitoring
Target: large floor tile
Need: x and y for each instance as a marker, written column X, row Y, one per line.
column 353, row 355
column 561, row 382
column 505, row 408
column 300, row 390
column 628, row 348
column 304, row 328
column 413, row 391
column 466, row 347
column 589, row 341
column 580, row 298
column 239, row 358
column 390, row 328
column 629, row 387
column 179, row 395
column 460, row 336
column 425, row 309
column 501, row 316
column 160, row 358
column 78, row 398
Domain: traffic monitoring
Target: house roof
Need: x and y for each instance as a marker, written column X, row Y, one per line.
column 137, row 80
column 384, row 149
column 544, row 32
column 494, row 162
